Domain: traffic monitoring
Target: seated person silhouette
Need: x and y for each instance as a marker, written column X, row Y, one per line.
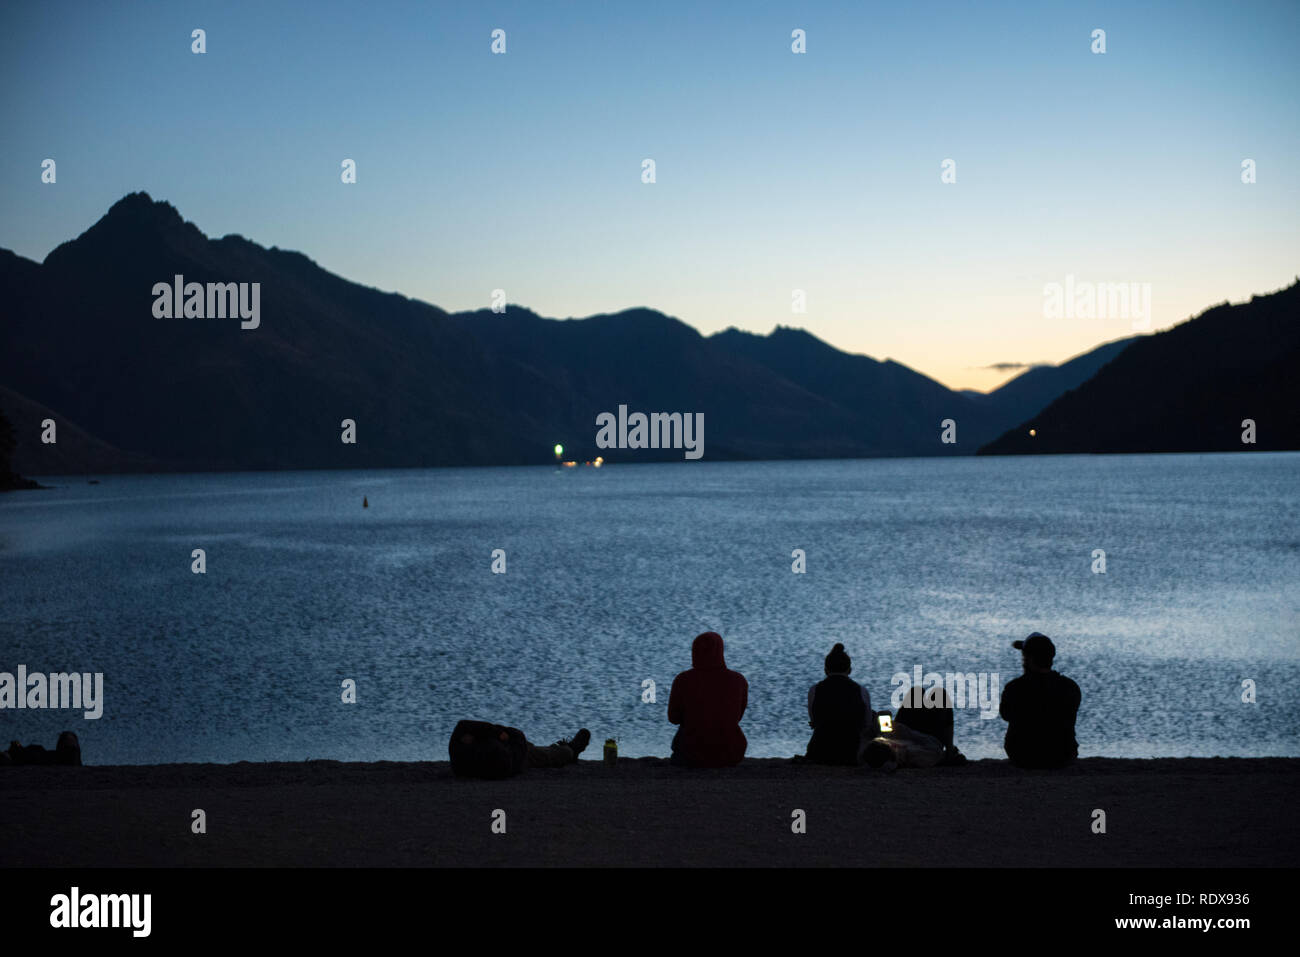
column 1040, row 708
column 707, row 701
column 839, row 712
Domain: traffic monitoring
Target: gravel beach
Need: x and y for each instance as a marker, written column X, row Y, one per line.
column 1189, row 812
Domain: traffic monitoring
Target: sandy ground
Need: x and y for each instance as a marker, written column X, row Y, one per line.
column 1189, row 812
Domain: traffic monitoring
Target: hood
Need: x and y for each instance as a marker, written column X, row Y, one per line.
column 706, row 652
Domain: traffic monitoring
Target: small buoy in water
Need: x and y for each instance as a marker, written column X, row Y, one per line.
column 365, row 503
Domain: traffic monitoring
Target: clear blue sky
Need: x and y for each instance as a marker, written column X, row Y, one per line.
column 775, row 171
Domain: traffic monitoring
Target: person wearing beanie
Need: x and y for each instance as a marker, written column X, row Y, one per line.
column 839, row 710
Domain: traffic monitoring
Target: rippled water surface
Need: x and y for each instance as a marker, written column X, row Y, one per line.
column 610, row 574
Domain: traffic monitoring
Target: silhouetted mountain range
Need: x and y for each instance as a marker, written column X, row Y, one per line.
column 1036, row 387
column 80, row 343
column 1187, row 389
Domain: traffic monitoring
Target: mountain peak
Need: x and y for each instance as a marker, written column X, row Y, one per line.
column 135, row 221
column 141, row 206
column 138, row 198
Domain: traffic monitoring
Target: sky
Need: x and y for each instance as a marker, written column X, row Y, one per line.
column 775, row 171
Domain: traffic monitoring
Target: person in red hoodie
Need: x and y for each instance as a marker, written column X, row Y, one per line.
column 707, row 702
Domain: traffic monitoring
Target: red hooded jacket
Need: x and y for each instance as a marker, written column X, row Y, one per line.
column 707, row 702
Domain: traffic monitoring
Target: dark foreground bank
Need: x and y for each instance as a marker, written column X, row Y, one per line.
column 1189, row 812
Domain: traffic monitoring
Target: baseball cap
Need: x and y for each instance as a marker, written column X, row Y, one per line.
column 1037, row 646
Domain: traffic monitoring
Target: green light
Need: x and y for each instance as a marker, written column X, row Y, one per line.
column 559, row 450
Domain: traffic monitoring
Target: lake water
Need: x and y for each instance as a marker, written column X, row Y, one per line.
column 611, row 573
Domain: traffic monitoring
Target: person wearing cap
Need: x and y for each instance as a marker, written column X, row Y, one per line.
column 707, row 701
column 1039, row 708
column 839, row 710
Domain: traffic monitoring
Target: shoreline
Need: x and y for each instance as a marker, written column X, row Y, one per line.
column 80, row 478
column 1171, row 812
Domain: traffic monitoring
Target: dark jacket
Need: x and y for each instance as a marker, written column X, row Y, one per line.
column 479, row 749
column 928, row 711
column 1040, row 708
column 707, row 701
column 838, row 714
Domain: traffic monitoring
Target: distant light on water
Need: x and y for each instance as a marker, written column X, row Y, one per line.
column 559, row 450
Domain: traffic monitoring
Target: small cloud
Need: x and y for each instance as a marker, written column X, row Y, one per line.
column 1013, row 366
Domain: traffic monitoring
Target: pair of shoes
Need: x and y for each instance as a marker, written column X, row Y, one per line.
column 578, row 743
